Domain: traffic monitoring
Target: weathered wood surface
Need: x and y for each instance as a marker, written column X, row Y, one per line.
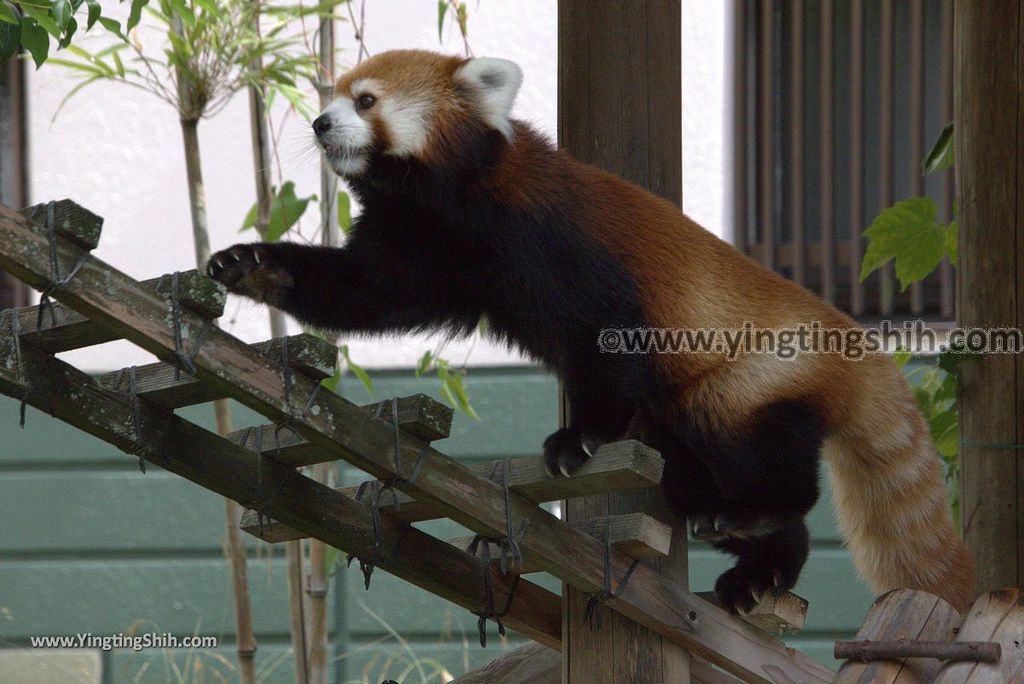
column 164, row 384
column 901, row 614
column 615, row 467
column 997, row 616
column 530, row 664
column 537, row 664
column 65, row 329
column 989, row 119
column 222, row 466
column 70, row 221
column 135, row 313
column 635, row 534
column 620, row 108
column 778, row 612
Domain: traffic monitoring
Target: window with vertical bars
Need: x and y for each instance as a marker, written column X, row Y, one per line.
column 837, row 103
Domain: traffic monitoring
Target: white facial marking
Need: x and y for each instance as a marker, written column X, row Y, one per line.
column 405, row 117
column 346, row 144
column 496, row 81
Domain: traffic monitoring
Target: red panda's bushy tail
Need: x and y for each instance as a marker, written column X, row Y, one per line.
column 891, row 498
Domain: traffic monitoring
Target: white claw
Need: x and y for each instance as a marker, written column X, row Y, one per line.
column 235, row 256
column 220, row 264
column 777, row 578
column 256, row 256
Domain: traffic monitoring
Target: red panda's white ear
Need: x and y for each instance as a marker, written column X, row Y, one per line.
column 496, row 82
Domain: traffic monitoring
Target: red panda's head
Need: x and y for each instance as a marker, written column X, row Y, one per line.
column 415, row 105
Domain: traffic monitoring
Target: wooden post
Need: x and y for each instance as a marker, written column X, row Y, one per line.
column 619, row 107
column 989, row 64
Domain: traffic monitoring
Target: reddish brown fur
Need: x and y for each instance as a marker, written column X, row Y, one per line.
column 888, row 484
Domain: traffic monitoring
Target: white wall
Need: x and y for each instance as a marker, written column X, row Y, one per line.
column 118, row 151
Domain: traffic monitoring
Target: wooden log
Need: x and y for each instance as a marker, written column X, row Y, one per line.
column 901, row 614
column 111, row 298
column 222, row 466
column 615, row 467
column 989, row 72
column 163, row 384
column 778, row 612
column 530, row 664
column 634, row 534
column 67, row 329
column 998, row 617
column 896, row 649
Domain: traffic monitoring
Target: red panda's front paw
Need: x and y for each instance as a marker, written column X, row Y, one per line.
column 563, row 452
column 250, row 270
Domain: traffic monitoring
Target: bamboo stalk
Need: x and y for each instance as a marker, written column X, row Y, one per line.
column 234, row 538
column 318, row 571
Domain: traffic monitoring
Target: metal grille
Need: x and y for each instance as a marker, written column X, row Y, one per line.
column 836, row 103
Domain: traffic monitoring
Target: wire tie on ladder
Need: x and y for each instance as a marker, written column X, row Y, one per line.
column 489, row 609
column 56, row 280
column 592, row 613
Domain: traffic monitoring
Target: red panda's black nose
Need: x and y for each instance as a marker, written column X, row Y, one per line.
column 321, row 125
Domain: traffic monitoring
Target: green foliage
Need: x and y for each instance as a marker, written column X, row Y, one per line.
column 909, row 233
column 940, row 157
column 31, row 24
column 285, row 212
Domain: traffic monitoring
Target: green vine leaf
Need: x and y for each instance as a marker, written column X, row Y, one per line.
column 906, row 232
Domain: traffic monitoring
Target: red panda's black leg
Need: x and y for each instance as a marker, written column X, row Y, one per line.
column 358, row 288
column 603, row 393
column 769, row 562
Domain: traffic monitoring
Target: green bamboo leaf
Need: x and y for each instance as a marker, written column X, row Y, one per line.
column 344, row 212
column 442, row 9
column 423, row 365
column 113, row 26
column 901, row 357
column 286, row 211
column 941, row 156
column 907, row 233
column 94, row 13
column 357, row 370
column 135, row 14
column 36, row 40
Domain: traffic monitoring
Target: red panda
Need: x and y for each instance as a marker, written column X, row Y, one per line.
column 469, row 213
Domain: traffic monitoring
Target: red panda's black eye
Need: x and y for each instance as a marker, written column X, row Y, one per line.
column 365, row 101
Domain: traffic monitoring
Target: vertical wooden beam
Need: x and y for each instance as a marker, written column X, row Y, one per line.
column 13, row 162
column 989, row 116
column 619, row 107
